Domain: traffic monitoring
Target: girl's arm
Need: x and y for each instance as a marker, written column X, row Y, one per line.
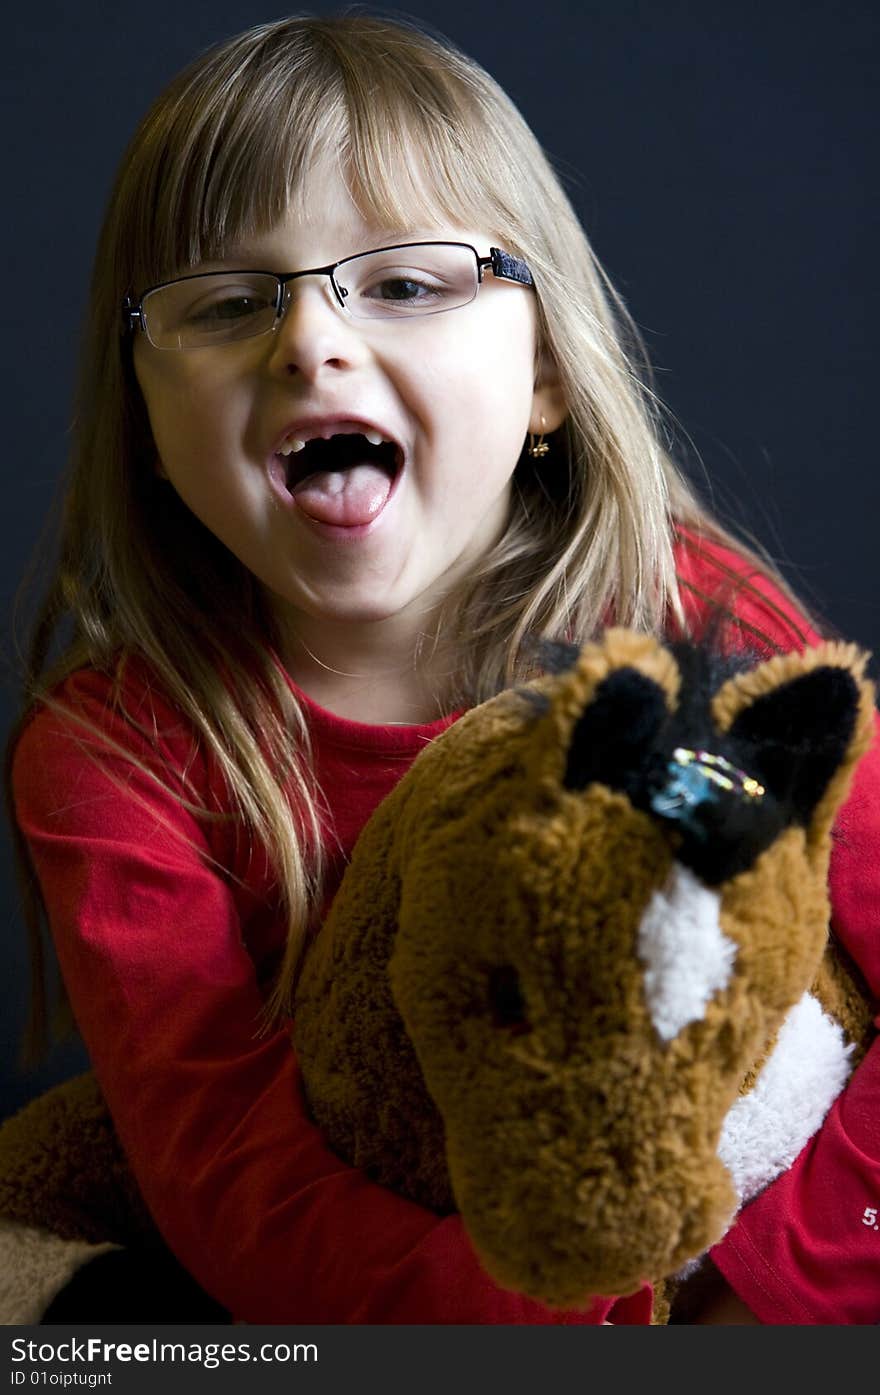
column 805, row 1250
column 212, row 1117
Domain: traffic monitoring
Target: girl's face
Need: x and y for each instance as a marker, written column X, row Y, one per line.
column 456, row 391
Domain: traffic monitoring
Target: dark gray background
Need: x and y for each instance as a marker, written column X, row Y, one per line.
column 722, row 157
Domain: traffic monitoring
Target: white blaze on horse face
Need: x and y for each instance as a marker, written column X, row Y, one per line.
column 686, row 955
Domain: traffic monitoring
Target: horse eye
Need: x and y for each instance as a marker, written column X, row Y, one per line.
column 506, row 1000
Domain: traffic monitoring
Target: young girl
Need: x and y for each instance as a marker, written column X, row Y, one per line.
column 357, row 415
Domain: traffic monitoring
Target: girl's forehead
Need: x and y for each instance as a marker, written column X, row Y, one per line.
column 314, row 212
column 325, row 220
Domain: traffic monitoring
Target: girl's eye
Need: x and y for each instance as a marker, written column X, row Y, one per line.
column 403, row 291
column 229, row 308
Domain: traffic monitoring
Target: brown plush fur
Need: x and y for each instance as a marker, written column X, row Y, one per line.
column 581, row 1151
column 62, row 1169
column 472, row 1021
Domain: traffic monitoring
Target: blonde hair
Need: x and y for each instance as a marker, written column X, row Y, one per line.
column 224, row 152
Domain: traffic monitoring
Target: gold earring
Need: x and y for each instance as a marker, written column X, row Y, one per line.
column 540, row 447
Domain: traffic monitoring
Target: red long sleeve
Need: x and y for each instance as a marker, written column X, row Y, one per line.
column 806, row 1250
column 160, row 954
column 802, row 1252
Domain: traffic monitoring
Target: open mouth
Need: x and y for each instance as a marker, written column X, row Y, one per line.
column 338, row 454
column 344, row 480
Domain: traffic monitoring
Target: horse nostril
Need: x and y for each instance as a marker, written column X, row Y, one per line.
column 506, row 1000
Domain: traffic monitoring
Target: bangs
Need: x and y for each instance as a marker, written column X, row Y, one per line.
column 235, row 142
column 419, row 147
column 406, row 169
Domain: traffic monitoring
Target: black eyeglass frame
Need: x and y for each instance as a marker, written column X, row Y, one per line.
column 503, row 265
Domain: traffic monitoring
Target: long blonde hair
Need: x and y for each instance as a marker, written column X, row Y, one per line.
column 224, row 152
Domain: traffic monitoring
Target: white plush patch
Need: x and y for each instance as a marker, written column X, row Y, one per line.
column 766, row 1129
column 687, row 956
column 34, row 1266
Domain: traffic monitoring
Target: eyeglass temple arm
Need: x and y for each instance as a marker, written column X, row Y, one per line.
column 132, row 315
column 509, row 268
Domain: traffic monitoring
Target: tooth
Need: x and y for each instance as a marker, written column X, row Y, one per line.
column 373, row 437
column 291, row 445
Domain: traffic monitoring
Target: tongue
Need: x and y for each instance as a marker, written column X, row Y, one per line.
column 344, row 497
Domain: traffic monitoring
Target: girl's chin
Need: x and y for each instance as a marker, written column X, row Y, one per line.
column 354, row 608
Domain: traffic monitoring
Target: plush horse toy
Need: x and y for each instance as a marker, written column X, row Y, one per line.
column 577, row 982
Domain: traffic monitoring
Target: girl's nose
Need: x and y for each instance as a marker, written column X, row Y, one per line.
column 315, row 333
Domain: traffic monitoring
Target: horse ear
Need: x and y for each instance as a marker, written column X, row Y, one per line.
column 612, row 738
column 628, row 684
column 808, row 718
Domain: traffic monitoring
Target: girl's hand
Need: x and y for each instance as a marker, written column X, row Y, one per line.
column 707, row 1298
column 726, row 1308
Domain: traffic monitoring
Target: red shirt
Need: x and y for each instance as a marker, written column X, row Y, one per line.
column 166, row 956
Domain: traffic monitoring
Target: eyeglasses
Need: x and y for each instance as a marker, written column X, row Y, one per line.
column 390, row 283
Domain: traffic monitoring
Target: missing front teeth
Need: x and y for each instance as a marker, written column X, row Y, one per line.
column 339, row 452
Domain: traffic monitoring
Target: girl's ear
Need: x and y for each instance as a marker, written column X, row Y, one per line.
column 549, row 407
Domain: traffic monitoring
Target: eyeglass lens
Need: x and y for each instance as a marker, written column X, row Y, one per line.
column 397, row 283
